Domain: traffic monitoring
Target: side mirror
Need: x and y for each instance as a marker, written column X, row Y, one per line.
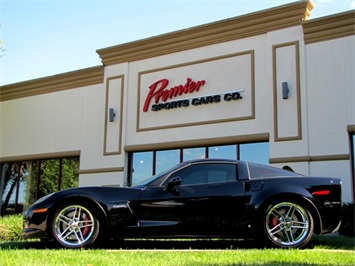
column 172, row 186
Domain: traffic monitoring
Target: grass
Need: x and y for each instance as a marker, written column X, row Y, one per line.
column 324, row 250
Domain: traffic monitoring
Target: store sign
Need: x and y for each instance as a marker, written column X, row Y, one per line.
column 162, row 96
column 202, row 92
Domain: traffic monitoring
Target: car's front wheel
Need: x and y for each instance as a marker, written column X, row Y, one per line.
column 287, row 225
column 75, row 226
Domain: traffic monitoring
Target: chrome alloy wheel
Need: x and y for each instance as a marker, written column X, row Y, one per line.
column 288, row 225
column 73, row 226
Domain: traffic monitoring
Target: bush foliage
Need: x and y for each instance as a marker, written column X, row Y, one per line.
column 11, row 228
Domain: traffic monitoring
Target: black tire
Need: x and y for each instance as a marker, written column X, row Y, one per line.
column 75, row 226
column 287, row 225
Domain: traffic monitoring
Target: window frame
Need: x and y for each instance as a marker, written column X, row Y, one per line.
column 130, row 174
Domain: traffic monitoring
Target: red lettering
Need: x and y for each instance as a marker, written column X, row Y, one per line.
column 152, row 93
column 158, row 92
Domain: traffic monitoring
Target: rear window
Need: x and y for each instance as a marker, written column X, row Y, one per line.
column 259, row 171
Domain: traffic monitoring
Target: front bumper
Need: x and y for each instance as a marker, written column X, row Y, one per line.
column 34, row 225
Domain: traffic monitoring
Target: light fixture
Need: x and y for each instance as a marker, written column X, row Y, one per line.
column 111, row 114
column 285, row 90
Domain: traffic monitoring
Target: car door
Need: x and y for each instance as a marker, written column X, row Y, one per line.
column 205, row 199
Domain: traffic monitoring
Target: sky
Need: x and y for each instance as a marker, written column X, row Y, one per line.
column 48, row 37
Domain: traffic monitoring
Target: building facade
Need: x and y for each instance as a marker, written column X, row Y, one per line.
column 271, row 87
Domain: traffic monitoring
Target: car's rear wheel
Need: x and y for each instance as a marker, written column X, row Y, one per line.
column 75, row 226
column 288, row 225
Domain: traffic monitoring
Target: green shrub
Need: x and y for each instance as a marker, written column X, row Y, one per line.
column 347, row 220
column 11, row 228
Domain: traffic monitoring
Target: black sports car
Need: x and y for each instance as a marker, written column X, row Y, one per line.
column 206, row 198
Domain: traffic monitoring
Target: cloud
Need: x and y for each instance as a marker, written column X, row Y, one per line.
column 352, row 5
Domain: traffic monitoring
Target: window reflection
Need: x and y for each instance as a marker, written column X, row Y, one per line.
column 194, row 153
column 142, row 166
column 70, row 173
column 14, row 186
column 22, row 183
column 144, row 163
column 223, row 152
column 166, row 159
column 255, row 152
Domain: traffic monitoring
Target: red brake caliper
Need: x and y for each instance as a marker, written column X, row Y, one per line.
column 86, row 229
column 274, row 222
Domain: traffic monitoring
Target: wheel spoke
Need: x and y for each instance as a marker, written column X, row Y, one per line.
column 64, row 219
column 67, row 235
column 289, row 236
column 290, row 211
column 74, row 226
column 78, row 237
column 299, row 225
column 276, row 229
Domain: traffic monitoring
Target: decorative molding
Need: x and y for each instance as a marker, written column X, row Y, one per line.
column 65, row 81
column 297, row 92
column 351, row 128
column 213, row 33
column 199, row 142
column 316, row 158
column 41, row 156
column 100, row 170
column 119, row 118
column 331, row 27
column 249, row 116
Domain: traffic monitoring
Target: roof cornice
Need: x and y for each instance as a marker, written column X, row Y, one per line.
column 330, row 27
column 65, row 81
column 217, row 32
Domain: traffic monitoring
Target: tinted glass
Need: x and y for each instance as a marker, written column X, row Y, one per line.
column 70, row 173
column 166, row 159
column 257, row 171
column 206, row 173
column 223, row 152
column 142, row 166
column 193, row 153
column 14, row 186
column 255, row 152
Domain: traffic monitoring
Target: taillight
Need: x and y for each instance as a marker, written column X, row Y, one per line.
column 321, row 192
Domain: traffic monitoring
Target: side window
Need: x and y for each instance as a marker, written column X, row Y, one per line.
column 206, row 173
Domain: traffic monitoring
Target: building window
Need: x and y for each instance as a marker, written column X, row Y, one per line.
column 146, row 164
column 255, row 152
column 22, row 183
column 142, row 166
column 223, row 152
column 166, row 159
column 194, row 153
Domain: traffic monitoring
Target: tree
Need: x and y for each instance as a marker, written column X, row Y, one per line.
column 2, row 49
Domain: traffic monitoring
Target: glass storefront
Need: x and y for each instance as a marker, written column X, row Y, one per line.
column 22, row 183
column 146, row 164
